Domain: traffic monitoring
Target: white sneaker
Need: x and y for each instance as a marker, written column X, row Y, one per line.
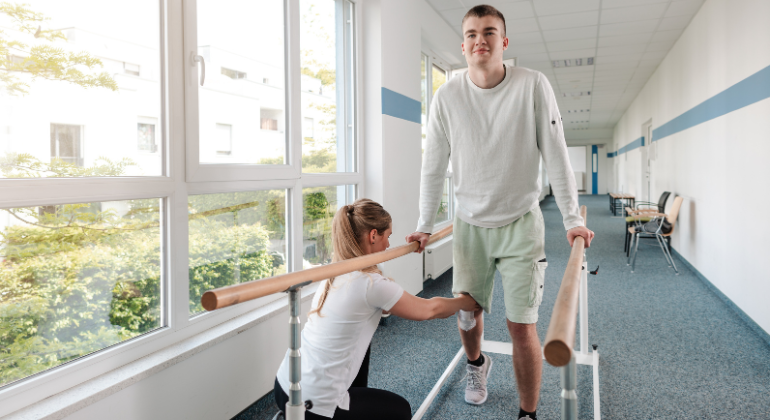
column 476, row 387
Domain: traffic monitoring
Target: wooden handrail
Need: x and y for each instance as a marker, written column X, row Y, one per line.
column 561, row 331
column 239, row 293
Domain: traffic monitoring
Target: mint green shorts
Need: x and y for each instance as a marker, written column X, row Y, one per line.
column 517, row 250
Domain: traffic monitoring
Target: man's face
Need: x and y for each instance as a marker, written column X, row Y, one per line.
column 483, row 41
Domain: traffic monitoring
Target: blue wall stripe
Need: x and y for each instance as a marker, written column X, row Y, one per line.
column 746, row 92
column 750, row 90
column 400, row 106
column 594, row 171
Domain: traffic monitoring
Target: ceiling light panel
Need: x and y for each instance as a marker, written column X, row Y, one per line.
column 574, row 62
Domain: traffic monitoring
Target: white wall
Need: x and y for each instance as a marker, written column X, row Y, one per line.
column 719, row 166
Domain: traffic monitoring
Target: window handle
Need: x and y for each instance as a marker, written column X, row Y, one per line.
column 199, row 59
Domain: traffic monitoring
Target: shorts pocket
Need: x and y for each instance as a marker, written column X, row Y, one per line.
column 537, row 283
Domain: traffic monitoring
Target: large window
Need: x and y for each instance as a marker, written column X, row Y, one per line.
column 431, row 78
column 133, row 182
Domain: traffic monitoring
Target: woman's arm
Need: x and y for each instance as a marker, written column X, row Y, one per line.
column 419, row 309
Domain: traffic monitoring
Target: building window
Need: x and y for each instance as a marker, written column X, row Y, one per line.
column 224, row 139
column 146, row 137
column 233, row 74
column 268, row 124
column 132, row 69
column 67, row 144
column 307, row 128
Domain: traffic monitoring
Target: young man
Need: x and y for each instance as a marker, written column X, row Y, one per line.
column 494, row 123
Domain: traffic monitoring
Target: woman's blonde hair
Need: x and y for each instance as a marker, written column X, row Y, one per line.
column 351, row 226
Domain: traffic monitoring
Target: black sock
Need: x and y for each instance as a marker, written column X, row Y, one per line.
column 478, row 362
column 532, row 415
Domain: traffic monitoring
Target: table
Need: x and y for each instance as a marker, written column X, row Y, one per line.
column 620, row 201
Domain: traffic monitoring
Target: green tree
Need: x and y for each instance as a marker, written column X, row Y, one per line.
column 42, row 60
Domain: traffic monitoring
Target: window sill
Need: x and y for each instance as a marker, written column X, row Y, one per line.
column 80, row 396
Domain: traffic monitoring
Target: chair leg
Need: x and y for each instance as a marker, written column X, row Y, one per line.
column 663, row 248
column 636, row 248
column 671, row 258
column 630, row 245
column 625, row 242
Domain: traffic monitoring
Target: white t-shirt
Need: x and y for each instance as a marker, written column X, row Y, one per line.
column 334, row 344
column 494, row 139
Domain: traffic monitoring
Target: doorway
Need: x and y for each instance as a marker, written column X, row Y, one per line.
column 577, row 158
column 646, row 157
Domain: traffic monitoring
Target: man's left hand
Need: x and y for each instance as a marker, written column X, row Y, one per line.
column 583, row 231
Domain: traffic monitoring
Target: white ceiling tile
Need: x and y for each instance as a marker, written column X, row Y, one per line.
column 671, row 35
column 611, row 78
column 601, row 74
column 537, row 65
column 575, row 44
column 618, row 58
column 652, row 55
column 570, row 20
column 557, row 7
column 454, row 16
column 614, row 41
column 520, row 25
column 632, row 14
column 569, row 34
column 660, row 46
column 566, row 55
column 676, row 22
column 617, row 66
column 518, row 50
column 610, row 4
column 684, row 7
column 513, row 10
column 628, row 28
column 620, row 50
column 573, row 72
column 440, row 5
column 523, row 58
column 525, row 38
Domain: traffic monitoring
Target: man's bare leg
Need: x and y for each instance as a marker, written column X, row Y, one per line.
column 527, row 362
column 472, row 339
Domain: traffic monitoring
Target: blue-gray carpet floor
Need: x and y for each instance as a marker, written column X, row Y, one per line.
column 669, row 347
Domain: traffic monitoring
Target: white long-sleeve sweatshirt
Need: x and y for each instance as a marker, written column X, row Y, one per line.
column 494, row 138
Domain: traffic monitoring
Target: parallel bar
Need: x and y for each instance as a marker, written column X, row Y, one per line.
column 597, row 400
column 436, row 388
column 231, row 295
column 584, row 308
column 560, row 337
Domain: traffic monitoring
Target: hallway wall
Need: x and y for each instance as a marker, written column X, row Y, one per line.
column 714, row 155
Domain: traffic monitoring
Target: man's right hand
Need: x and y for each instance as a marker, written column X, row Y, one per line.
column 420, row 237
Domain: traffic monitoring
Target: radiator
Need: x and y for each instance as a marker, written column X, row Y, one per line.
column 437, row 258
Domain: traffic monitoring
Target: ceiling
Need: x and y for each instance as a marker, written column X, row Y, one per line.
column 627, row 38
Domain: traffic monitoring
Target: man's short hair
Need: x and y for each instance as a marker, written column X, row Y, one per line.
column 484, row 10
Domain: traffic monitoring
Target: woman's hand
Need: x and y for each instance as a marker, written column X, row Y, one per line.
column 468, row 303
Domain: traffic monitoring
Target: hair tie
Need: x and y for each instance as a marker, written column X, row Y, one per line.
column 350, row 209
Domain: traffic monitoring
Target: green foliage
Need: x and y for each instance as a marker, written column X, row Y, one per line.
column 43, row 61
column 313, row 161
column 24, row 165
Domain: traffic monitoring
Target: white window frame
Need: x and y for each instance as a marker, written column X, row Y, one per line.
column 181, row 177
column 429, row 63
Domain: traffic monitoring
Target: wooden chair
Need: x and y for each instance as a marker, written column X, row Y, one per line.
column 655, row 230
column 643, row 207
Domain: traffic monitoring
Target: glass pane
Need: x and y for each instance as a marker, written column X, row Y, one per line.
column 78, row 87
column 442, row 215
column 244, row 88
column 235, row 238
column 319, row 206
column 439, row 78
column 75, row 279
column 325, row 86
column 424, row 99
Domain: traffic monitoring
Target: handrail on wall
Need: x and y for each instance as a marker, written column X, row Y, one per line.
column 560, row 338
column 242, row 292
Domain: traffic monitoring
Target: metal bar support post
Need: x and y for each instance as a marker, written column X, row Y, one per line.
column 569, row 403
column 295, row 409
